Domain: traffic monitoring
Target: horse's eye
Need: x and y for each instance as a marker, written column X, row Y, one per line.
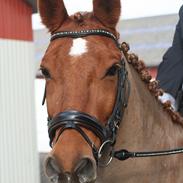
column 112, row 71
column 45, row 73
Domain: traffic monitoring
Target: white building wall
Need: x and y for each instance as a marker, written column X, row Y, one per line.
column 18, row 148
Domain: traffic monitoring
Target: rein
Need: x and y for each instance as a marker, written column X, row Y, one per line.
column 107, row 134
column 124, row 154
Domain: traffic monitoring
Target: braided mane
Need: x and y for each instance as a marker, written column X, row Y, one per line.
column 152, row 85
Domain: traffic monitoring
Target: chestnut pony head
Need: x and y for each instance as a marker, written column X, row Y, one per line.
column 81, row 75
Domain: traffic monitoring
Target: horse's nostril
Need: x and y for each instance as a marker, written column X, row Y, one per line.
column 51, row 168
column 54, row 179
column 86, row 170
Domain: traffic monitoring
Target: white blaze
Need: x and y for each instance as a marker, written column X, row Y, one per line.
column 79, row 47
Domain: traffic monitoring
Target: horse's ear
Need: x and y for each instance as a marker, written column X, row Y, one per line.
column 107, row 12
column 53, row 13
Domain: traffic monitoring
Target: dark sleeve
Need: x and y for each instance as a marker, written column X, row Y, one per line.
column 170, row 70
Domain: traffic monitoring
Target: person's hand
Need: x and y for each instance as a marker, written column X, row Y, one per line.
column 168, row 97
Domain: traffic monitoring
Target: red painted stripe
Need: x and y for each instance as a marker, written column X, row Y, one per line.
column 15, row 20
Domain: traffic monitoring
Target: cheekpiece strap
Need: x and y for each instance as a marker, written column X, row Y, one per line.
column 121, row 101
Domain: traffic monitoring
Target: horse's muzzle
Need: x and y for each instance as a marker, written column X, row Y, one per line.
column 84, row 172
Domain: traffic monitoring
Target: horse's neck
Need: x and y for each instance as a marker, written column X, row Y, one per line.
column 145, row 127
column 145, row 123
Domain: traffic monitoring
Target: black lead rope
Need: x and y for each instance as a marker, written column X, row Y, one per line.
column 124, row 154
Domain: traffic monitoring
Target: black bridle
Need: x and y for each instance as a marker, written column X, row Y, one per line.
column 78, row 120
column 107, row 134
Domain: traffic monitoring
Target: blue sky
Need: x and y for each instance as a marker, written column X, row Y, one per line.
column 130, row 8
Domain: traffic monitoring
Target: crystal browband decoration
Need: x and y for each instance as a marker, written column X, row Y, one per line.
column 76, row 34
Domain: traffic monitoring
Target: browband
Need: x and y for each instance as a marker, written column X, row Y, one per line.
column 84, row 33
